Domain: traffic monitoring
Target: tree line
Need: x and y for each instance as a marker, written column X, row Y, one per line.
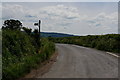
column 108, row 42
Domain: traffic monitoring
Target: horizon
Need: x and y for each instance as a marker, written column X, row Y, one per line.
column 78, row 35
column 77, row 18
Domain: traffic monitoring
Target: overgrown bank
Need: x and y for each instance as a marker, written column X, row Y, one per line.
column 21, row 53
column 109, row 42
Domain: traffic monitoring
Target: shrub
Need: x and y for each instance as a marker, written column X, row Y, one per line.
column 19, row 53
column 109, row 42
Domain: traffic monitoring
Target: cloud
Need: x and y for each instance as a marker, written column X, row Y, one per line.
column 61, row 18
column 104, row 21
column 14, row 11
column 61, row 14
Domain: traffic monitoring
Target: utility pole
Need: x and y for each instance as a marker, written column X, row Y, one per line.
column 38, row 24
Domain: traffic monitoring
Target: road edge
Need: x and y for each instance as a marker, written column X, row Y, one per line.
column 112, row 54
column 42, row 68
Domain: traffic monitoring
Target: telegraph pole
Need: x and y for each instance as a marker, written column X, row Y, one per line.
column 39, row 27
column 38, row 24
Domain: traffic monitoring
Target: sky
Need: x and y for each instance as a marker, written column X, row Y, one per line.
column 60, row 0
column 78, row 18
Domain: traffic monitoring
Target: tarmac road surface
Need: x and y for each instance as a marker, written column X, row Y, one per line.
column 80, row 62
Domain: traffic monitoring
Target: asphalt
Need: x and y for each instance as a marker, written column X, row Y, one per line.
column 80, row 62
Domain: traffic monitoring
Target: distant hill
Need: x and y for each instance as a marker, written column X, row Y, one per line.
column 52, row 34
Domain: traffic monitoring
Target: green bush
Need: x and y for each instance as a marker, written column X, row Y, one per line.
column 19, row 53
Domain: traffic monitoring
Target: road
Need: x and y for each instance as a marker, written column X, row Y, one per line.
column 80, row 62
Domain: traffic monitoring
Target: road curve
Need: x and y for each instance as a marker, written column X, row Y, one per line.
column 80, row 62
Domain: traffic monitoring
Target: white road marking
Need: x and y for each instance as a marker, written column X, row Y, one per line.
column 113, row 54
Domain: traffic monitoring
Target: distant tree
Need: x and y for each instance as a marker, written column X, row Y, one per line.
column 12, row 24
column 27, row 30
column 35, row 31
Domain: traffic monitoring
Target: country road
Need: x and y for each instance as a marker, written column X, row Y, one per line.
column 80, row 62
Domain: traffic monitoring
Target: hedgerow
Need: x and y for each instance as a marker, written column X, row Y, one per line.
column 20, row 53
column 109, row 42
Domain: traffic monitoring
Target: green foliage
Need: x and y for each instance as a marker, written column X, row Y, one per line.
column 19, row 53
column 109, row 42
column 47, row 47
column 36, row 36
column 27, row 30
column 12, row 24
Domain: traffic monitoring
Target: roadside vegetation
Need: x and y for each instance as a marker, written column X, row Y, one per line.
column 109, row 42
column 21, row 50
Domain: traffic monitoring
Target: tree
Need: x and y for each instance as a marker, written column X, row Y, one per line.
column 12, row 24
column 36, row 34
column 35, row 31
column 27, row 30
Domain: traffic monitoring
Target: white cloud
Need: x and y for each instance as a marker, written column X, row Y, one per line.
column 14, row 11
column 104, row 21
column 61, row 18
column 60, row 12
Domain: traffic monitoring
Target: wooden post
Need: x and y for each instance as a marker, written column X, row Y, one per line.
column 38, row 24
column 39, row 28
column 39, row 31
